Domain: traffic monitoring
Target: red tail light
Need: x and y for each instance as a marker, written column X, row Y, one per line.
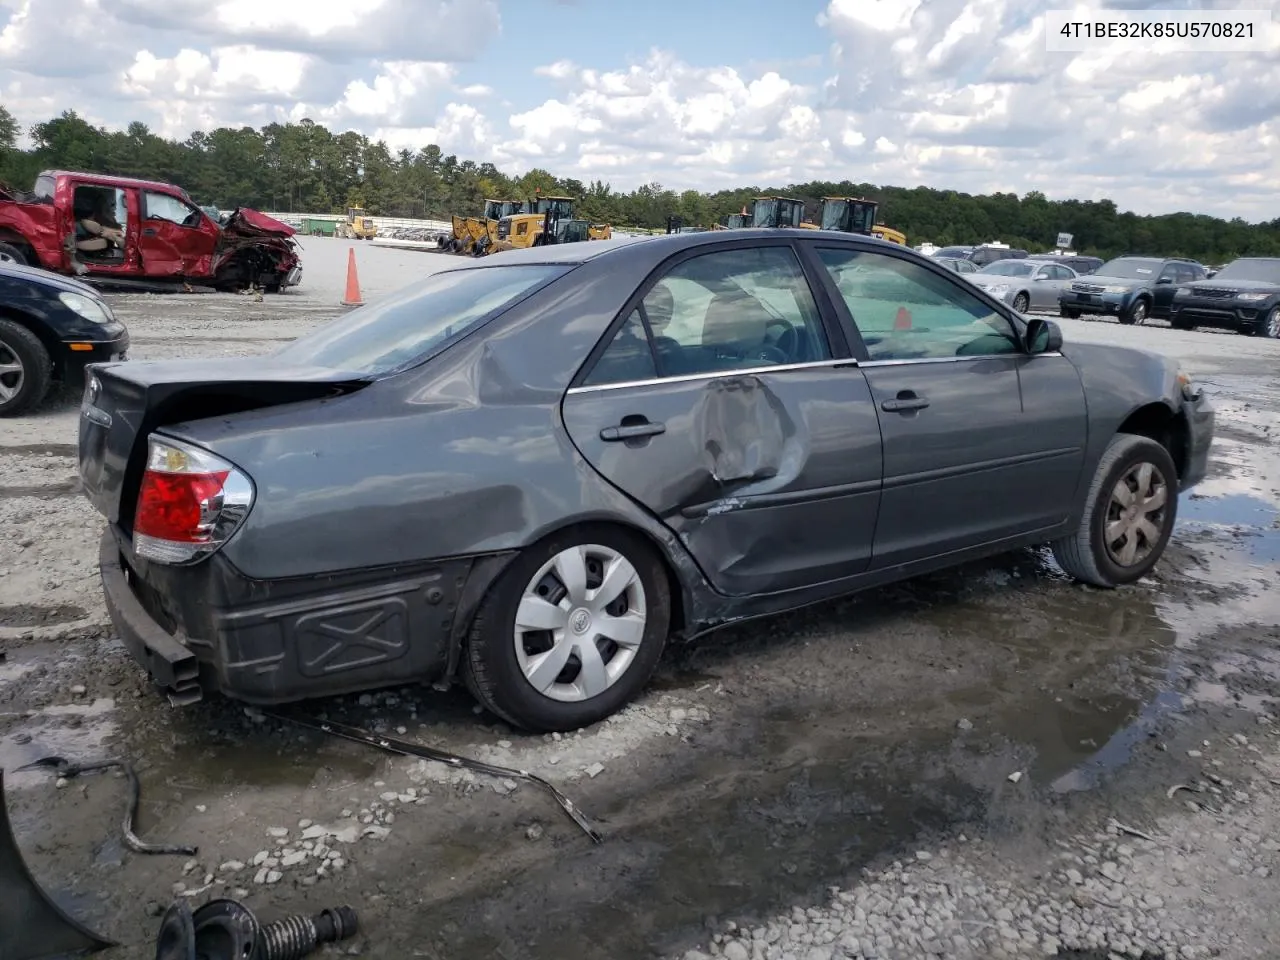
column 189, row 504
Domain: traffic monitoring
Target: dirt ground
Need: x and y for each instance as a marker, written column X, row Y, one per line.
column 956, row 766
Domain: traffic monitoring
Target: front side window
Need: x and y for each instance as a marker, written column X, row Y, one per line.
column 408, row 325
column 162, row 206
column 723, row 311
column 906, row 312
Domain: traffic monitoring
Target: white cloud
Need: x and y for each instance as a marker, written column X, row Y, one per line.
column 958, row 94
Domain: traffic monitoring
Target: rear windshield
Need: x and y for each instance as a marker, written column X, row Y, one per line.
column 961, row 253
column 408, row 325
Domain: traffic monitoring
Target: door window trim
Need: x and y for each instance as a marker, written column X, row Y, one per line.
column 854, row 334
column 840, row 349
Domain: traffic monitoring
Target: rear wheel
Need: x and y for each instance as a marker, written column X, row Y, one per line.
column 571, row 631
column 1129, row 515
column 11, row 254
column 25, row 371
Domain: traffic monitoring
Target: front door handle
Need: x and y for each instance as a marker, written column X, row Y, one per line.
column 149, row 232
column 904, row 402
column 632, row 431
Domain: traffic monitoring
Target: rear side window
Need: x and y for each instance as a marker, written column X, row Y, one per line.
column 411, row 323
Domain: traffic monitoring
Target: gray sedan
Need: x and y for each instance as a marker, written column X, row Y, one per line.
column 531, row 470
column 1026, row 285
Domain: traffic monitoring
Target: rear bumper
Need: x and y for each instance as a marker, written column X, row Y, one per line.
column 207, row 628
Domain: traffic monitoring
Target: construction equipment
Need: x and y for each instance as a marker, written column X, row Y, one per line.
column 888, row 233
column 737, row 221
column 600, row 231
column 547, row 220
column 358, row 225
column 777, row 212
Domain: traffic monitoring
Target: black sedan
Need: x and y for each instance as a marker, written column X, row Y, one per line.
column 531, row 469
column 1244, row 296
column 50, row 328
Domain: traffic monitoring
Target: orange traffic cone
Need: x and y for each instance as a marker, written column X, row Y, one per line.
column 352, row 297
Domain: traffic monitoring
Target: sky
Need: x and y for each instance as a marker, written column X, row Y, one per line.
column 690, row 94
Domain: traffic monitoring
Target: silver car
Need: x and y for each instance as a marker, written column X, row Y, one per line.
column 1026, row 285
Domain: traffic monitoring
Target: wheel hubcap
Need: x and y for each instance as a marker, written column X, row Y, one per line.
column 11, row 374
column 1136, row 514
column 1273, row 324
column 580, row 623
column 1139, row 313
column 7, row 257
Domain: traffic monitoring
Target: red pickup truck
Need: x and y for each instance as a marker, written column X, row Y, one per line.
column 119, row 232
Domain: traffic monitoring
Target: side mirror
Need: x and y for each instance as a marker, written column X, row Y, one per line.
column 1165, row 280
column 1043, row 336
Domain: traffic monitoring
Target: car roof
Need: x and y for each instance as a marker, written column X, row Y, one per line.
column 584, row 250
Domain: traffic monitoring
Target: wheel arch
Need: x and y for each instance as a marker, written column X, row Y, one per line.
column 679, row 587
column 15, row 239
column 1158, row 422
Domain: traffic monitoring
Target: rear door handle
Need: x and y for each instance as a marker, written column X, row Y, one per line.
column 904, row 403
column 631, row 431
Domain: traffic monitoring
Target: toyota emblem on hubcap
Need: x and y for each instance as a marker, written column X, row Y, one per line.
column 580, row 621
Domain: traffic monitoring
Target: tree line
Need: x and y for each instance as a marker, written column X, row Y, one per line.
column 304, row 167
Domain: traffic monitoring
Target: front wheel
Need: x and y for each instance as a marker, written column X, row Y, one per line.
column 1136, row 314
column 571, row 631
column 1069, row 313
column 25, row 370
column 1128, row 517
column 1021, row 303
column 1269, row 326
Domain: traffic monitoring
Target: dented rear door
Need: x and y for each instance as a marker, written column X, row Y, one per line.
column 769, row 473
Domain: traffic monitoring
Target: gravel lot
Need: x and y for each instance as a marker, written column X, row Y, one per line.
column 975, row 764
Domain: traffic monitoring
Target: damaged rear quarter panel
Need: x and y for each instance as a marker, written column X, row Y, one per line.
column 463, row 455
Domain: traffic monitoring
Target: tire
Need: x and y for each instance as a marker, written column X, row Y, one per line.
column 1069, row 314
column 1179, row 324
column 1137, row 313
column 11, row 254
column 1022, row 303
column 1268, row 326
column 1085, row 554
column 492, row 665
column 22, row 348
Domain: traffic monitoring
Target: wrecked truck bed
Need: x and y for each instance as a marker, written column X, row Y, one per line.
column 117, row 232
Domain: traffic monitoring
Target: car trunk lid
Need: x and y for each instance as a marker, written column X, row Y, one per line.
column 124, row 402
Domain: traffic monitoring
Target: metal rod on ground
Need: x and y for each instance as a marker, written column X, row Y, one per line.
column 407, row 749
column 65, row 768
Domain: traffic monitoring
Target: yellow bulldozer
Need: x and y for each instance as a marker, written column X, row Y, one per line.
column 473, row 236
column 547, row 220
column 358, row 225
